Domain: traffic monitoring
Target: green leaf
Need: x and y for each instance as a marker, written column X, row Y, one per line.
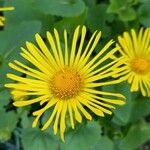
column 97, row 19
column 116, row 5
column 8, row 123
column 144, row 15
column 127, row 14
column 121, row 113
column 104, row 143
column 137, row 135
column 144, row 1
column 141, row 108
column 34, row 139
column 25, row 11
column 70, row 23
column 133, row 2
column 8, row 119
column 123, row 9
column 16, row 36
column 26, row 121
column 4, row 98
column 83, row 137
column 64, row 8
column 90, row 3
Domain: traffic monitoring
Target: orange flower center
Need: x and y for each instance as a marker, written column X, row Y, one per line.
column 66, row 84
column 140, row 65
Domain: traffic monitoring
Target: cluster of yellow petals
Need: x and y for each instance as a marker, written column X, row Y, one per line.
column 135, row 50
column 67, row 83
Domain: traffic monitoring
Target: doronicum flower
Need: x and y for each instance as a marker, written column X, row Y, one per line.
column 135, row 50
column 65, row 79
column 2, row 19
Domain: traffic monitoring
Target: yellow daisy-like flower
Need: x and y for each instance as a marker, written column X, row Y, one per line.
column 65, row 79
column 135, row 49
column 2, row 19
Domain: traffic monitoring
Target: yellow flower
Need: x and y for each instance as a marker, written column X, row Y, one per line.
column 135, row 50
column 2, row 19
column 65, row 79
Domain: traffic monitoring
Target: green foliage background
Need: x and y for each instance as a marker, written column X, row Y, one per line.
column 127, row 129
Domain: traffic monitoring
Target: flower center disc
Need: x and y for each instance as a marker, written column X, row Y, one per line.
column 66, row 84
column 140, row 65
